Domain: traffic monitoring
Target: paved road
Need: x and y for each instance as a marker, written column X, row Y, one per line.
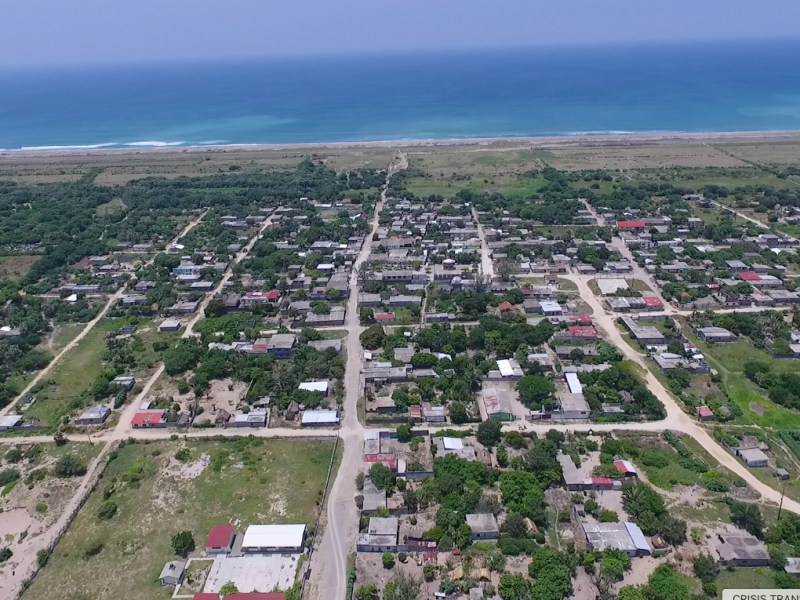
column 90, row 325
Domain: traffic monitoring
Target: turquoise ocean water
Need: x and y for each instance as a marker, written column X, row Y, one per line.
column 716, row 87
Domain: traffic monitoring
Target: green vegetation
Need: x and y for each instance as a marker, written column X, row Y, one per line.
column 289, row 474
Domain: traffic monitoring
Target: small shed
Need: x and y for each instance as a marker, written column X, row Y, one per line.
column 782, row 474
column 172, row 573
column 220, row 539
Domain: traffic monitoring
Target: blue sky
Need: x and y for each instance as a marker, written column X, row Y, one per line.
column 44, row 32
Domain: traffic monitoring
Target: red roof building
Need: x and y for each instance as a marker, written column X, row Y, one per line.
column 602, row 481
column 205, row 597
column 625, row 467
column 652, row 302
column 150, row 418
column 273, row 295
column 506, row 307
column 387, row 460
column 220, row 539
column 384, row 317
column 583, row 320
column 256, row 596
column 582, row 331
column 749, row 276
column 705, row 413
column 631, row 224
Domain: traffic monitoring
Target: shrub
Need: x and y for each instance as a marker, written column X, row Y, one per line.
column 183, row 543
column 5, row 554
column 13, row 455
column 69, row 466
column 107, row 510
column 8, row 475
column 93, row 550
column 41, row 507
column 42, row 556
column 388, row 560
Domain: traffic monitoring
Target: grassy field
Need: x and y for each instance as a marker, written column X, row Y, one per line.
column 63, row 391
column 729, row 360
column 243, row 482
column 744, row 579
column 63, row 334
column 13, row 268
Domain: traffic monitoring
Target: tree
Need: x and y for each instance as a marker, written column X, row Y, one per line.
column 631, row 592
column 513, row 587
column 673, row 530
column 183, row 543
column 515, row 526
column 424, row 360
column 665, row 584
column 367, row 592
column 614, row 564
column 228, row 589
column 458, row 413
column 373, row 337
column 777, row 557
column 404, row 433
column 5, row 554
column 747, row 516
column 535, row 389
column 402, row 587
column 69, row 466
column 360, row 481
column 608, row 516
column 381, row 476
column 705, row 568
column 784, row 580
column 489, row 432
column 388, row 560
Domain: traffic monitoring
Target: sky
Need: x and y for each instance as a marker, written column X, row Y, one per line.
column 61, row 32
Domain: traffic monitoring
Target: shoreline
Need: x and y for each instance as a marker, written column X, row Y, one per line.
column 588, row 140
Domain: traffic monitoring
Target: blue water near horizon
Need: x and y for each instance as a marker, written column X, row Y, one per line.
column 682, row 88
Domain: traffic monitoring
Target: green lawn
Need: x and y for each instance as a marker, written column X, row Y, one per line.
column 792, row 230
column 744, row 579
column 63, row 334
column 729, row 360
column 246, row 482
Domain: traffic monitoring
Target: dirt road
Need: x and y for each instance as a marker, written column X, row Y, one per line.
column 487, row 266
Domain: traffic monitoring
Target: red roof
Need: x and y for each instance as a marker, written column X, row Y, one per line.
column 205, row 597
column 749, row 276
column 631, row 224
column 583, row 319
column 584, row 331
column 384, row 317
column 147, row 418
column 506, row 306
column 273, row 295
column 602, row 480
column 387, row 460
column 704, row 411
column 256, row 596
column 652, row 301
column 220, row 536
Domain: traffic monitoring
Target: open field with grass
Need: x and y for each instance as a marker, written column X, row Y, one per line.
column 729, row 360
column 156, row 496
column 744, row 579
column 13, row 268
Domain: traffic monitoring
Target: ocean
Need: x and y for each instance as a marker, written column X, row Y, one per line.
column 579, row 90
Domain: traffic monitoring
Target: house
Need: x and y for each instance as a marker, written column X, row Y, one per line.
column 573, row 405
column 94, row 415
column 742, row 550
column 126, row 381
column 644, row 334
column 704, row 413
column 509, row 369
column 497, row 404
column 384, row 317
column 631, row 225
column 374, row 499
column 551, row 308
column 483, row 526
column 782, row 474
column 450, row 445
column 619, row 536
column 753, row 457
column 220, row 539
column 320, row 418
column 148, row 418
column 255, row 418
column 506, row 307
column 10, row 422
column 716, row 334
column 281, row 345
column 434, row 414
column 625, row 467
column 381, row 535
column 532, row 306
column 320, row 387
column 274, row 538
column 170, row 325
column 172, row 573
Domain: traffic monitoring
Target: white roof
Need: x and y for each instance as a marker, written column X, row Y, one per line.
column 325, row 266
column 10, row 420
column 575, row 386
column 452, row 443
column 314, row 386
column 274, row 536
column 505, row 368
column 320, row 416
